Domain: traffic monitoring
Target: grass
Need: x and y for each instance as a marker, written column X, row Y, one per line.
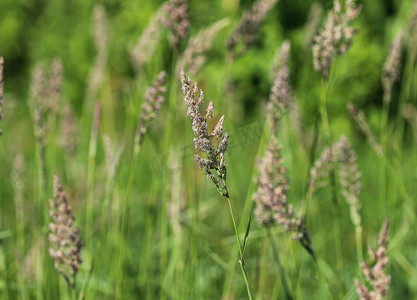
column 154, row 227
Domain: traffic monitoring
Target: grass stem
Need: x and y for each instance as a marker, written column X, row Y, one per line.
column 279, row 266
column 241, row 261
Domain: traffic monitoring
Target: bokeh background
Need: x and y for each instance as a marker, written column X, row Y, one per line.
column 180, row 243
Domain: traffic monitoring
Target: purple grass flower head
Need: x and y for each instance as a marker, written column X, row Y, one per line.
column 68, row 139
column 360, row 119
column 392, row 66
column 45, row 96
column 176, row 21
column 335, row 37
column 101, row 41
column 350, row 179
column 147, row 43
column 245, row 32
column 280, row 95
column 375, row 276
column 271, row 197
column 214, row 162
column 64, row 236
column 194, row 56
column 154, row 97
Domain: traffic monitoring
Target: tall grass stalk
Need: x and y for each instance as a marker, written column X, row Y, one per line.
column 279, row 266
column 390, row 74
column 214, row 165
column 124, row 220
column 153, row 98
column 18, row 185
column 323, row 111
column 248, row 204
column 166, row 176
column 91, row 172
column 241, row 261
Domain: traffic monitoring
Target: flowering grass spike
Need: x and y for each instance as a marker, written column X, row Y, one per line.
column 271, row 197
column 335, row 37
column 215, row 160
column 64, row 236
column 1, row 85
column 376, row 276
column 154, row 97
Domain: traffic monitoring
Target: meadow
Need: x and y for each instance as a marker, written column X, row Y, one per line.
column 225, row 149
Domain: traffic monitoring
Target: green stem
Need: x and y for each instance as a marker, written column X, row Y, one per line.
column 91, row 175
column 73, row 294
column 358, row 237
column 382, row 184
column 337, row 227
column 172, row 108
column 249, row 203
column 41, row 269
column 323, row 111
column 279, row 266
column 241, row 261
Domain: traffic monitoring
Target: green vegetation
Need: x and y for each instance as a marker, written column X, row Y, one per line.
column 312, row 165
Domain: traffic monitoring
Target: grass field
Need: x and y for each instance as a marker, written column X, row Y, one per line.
column 307, row 151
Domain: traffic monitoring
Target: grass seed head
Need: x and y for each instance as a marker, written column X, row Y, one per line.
column 376, row 277
column 363, row 125
column 112, row 154
column 154, row 97
column 176, row 21
column 245, row 32
column 335, row 37
column 101, row 38
column 214, row 164
column 392, row 65
column 194, row 56
column 280, row 95
column 147, row 44
column 350, row 179
column 64, row 236
column 271, row 197
column 312, row 24
column 68, row 139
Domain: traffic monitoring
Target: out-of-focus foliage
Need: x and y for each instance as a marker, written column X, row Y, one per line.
column 179, row 239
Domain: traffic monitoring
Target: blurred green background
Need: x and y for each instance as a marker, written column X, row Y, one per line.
column 180, row 242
